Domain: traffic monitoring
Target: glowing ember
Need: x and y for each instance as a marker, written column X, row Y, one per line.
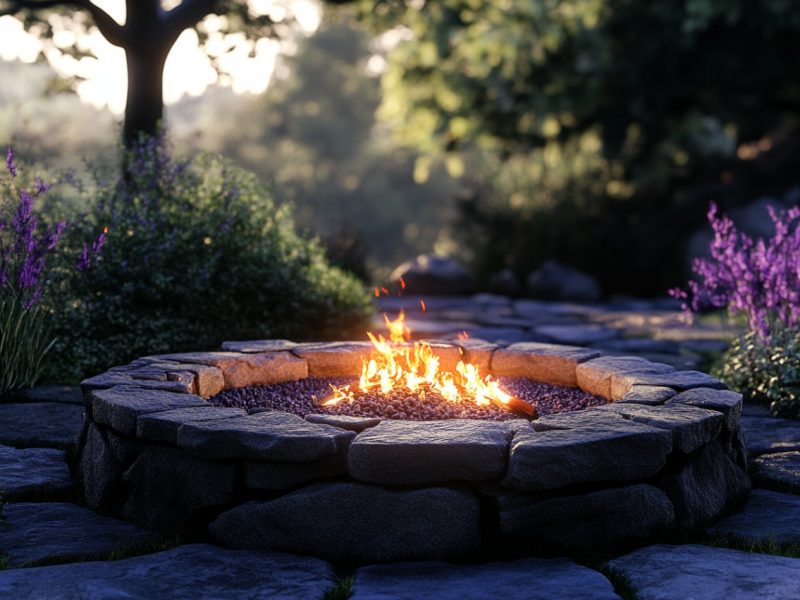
column 398, row 364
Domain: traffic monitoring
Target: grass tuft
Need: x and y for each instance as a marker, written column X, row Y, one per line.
column 342, row 590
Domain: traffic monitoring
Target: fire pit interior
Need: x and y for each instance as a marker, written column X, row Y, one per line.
column 409, row 381
column 284, row 446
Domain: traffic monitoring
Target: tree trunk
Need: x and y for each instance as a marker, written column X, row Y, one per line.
column 144, row 108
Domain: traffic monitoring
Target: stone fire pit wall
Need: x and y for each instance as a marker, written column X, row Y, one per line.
column 665, row 455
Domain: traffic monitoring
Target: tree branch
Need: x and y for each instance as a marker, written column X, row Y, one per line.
column 111, row 30
column 188, row 13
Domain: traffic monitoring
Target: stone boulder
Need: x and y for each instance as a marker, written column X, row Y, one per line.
column 555, row 281
column 433, row 275
column 352, row 521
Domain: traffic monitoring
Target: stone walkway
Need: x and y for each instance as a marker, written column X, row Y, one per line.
column 52, row 548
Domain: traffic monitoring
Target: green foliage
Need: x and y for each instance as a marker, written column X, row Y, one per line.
column 197, row 253
column 620, row 117
column 314, row 134
column 343, row 589
column 765, row 371
column 25, row 340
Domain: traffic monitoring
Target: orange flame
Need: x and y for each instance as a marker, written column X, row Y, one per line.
column 395, row 363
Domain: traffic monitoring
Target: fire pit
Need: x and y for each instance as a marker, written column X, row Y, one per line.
column 662, row 454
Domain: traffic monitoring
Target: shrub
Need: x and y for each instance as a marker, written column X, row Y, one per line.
column 198, row 253
column 760, row 280
column 766, row 372
column 25, row 248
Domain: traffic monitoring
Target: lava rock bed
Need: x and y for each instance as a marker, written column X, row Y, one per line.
column 301, row 397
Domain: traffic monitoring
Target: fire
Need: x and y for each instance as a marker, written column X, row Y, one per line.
column 398, row 364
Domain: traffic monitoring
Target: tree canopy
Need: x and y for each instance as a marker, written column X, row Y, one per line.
column 147, row 35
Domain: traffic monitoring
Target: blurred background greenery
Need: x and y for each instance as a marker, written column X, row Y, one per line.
column 500, row 132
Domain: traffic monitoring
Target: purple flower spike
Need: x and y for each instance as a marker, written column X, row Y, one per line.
column 12, row 168
column 758, row 278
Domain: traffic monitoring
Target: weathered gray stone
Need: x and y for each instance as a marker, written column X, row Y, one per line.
column 335, row 359
column 433, row 275
column 664, row 572
column 243, row 369
column 780, row 471
column 60, row 532
column 765, row 435
column 614, row 450
column 168, row 487
column 691, row 427
column 724, row 401
column 40, row 424
column 100, row 470
column 705, row 487
column 120, row 407
column 768, row 517
column 596, row 376
column 113, row 378
column 576, row 335
column 677, row 380
column 258, row 346
column 273, row 435
column 34, row 472
column 529, row 579
column 265, row 475
column 68, row 394
column 351, row 521
column 638, row 346
column 184, row 573
column 556, row 281
column 357, row 424
column 502, row 335
column 587, row 521
column 415, row 452
column 163, row 426
column 647, row 394
column 547, row 363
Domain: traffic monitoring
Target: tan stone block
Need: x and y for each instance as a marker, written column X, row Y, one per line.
column 546, row 363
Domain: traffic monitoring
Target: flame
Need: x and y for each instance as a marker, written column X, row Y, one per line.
column 398, row 364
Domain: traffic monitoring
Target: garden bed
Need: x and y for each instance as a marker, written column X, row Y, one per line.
column 664, row 455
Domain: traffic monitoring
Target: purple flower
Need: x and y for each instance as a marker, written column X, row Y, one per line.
column 12, row 168
column 25, row 246
column 760, row 279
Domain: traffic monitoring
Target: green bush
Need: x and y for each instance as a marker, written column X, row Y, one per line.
column 197, row 253
column 765, row 371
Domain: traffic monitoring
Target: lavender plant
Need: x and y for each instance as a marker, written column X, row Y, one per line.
column 759, row 279
column 26, row 249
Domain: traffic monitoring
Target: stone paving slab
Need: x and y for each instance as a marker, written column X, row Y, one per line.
column 530, row 579
column 68, row 394
column 765, row 435
column 193, row 572
column 780, row 471
column 34, row 472
column 768, row 517
column 40, row 424
column 60, row 532
column 687, row 572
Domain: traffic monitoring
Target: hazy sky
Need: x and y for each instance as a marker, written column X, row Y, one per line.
column 188, row 70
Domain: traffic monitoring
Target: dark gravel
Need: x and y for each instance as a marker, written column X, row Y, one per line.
column 299, row 397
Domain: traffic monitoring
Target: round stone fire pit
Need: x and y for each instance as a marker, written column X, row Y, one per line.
column 664, row 455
